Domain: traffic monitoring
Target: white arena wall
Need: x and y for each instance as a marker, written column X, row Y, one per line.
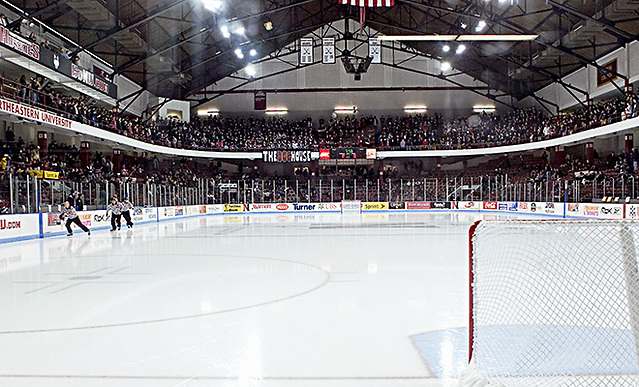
column 452, row 103
column 272, row 74
column 586, row 80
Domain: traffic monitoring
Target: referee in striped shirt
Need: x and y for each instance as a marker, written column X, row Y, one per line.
column 69, row 213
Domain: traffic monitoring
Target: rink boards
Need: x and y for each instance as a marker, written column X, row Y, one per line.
column 15, row 227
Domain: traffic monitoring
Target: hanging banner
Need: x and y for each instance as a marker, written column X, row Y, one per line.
column 55, row 61
column 19, row 43
column 306, row 51
column 259, row 100
column 328, row 50
column 34, row 114
column 375, row 50
column 606, row 73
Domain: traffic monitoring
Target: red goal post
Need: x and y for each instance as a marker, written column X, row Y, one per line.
column 553, row 303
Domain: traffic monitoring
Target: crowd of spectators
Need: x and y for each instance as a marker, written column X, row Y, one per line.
column 419, row 131
column 258, row 133
column 227, row 133
column 390, row 132
column 18, row 158
column 252, row 133
column 530, row 170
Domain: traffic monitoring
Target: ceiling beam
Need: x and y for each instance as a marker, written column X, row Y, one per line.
column 552, row 45
column 447, row 79
column 47, row 8
column 619, row 33
column 496, row 74
column 181, row 39
column 289, row 37
column 416, row 4
column 119, row 30
column 540, row 71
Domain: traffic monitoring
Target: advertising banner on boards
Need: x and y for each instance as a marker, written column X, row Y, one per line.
column 234, row 208
column 374, row 206
column 418, row 205
column 476, row 206
column 396, row 205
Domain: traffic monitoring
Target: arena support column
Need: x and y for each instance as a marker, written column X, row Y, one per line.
column 117, row 160
column 560, row 155
column 313, row 168
column 42, row 143
column 628, row 142
column 590, row 153
column 85, row 146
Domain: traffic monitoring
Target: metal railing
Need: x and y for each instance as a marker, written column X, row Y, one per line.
column 494, row 188
column 24, row 193
column 20, row 193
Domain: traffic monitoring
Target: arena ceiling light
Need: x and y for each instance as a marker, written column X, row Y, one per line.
column 458, row 38
column 484, row 108
column 446, row 66
column 250, row 70
column 239, row 53
column 253, row 52
column 346, row 110
column 480, row 26
column 496, row 38
column 208, row 112
column 446, row 48
column 212, row 5
column 415, row 109
column 225, row 31
column 277, row 111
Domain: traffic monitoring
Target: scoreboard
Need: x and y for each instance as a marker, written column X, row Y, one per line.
column 347, row 154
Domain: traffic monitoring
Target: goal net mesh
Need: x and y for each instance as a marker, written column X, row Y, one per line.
column 555, row 303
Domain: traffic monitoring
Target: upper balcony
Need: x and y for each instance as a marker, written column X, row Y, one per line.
column 55, row 63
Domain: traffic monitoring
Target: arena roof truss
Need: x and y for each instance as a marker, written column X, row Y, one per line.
column 357, row 42
column 176, row 48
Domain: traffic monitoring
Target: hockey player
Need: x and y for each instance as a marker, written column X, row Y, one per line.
column 116, row 213
column 127, row 207
column 69, row 213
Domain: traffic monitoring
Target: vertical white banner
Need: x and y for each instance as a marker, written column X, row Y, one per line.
column 306, row 51
column 328, row 50
column 375, row 50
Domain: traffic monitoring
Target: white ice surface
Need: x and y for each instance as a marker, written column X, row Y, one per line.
column 261, row 300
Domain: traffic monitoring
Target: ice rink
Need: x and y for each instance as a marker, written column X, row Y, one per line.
column 276, row 300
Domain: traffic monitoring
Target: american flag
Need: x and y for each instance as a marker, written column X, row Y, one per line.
column 366, row 3
column 369, row 3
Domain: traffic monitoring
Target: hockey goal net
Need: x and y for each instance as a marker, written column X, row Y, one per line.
column 554, row 303
column 351, row 206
